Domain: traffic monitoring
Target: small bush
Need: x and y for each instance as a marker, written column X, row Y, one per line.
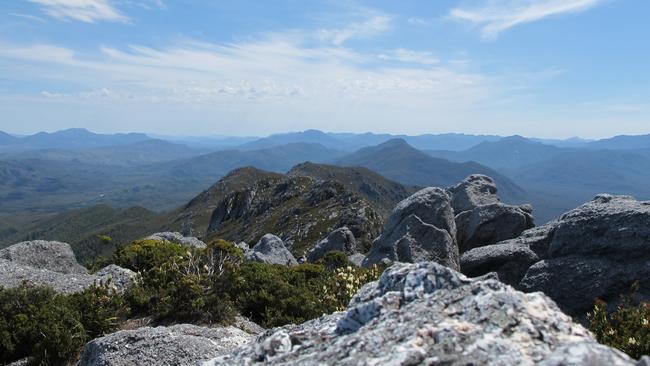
column 345, row 282
column 143, row 255
column 627, row 328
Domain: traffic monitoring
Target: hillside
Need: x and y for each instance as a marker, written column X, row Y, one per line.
column 399, row 161
column 383, row 194
column 83, row 229
column 300, row 210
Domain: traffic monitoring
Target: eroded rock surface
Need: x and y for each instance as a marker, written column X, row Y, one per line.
column 597, row 250
column 426, row 313
column 51, row 255
column 420, row 228
column 52, row 264
column 179, row 345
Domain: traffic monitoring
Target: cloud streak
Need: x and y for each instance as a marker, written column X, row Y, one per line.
column 88, row 11
column 498, row 16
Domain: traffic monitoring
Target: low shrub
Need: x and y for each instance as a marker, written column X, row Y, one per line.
column 51, row 328
column 627, row 328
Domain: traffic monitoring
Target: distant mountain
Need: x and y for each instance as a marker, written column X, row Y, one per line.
column 308, row 136
column 141, row 152
column 6, row 138
column 504, row 155
column 383, row 194
column 446, row 141
column 622, row 142
column 397, row 160
column 71, row 139
column 277, row 159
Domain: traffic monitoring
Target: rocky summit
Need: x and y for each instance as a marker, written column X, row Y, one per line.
column 428, row 314
column 300, row 210
column 597, row 250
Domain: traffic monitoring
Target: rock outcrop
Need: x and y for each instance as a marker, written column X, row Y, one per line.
column 428, row 314
column 341, row 239
column 51, row 255
column 300, row 209
column 481, row 218
column 177, row 238
column 52, row 264
column 271, row 250
column 597, row 250
column 180, row 345
column 420, row 228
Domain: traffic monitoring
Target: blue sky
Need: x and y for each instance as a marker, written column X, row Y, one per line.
column 546, row 68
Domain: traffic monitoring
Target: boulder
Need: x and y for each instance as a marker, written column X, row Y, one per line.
column 598, row 250
column 428, row 314
column 52, row 264
column 182, row 344
column 177, row 238
column 340, row 239
column 14, row 275
column 271, row 250
column 509, row 261
column 420, row 228
column 476, row 190
column 51, row 255
column 489, row 224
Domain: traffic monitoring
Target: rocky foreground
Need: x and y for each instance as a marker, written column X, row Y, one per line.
column 428, row 314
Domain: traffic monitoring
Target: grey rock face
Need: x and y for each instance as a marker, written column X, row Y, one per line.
column 14, row 275
column 476, row 190
column 510, row 261
column 481, row 219
column 52, row 264
column 118, row 277
column 179, row 345
column 425, row 313
column 420, row 228
column 177, row 238
column 271, row 250
column 597, row 250
column 51, row 255
column 340, row 239
column 489, row 224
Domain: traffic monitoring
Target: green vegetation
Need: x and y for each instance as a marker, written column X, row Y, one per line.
column 51, row 328
column 174, row 284
column 627, row 328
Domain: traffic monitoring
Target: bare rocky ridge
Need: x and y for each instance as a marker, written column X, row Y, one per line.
column 52, row 264
column 597, row 250
column 426, row 313
column 300, row 210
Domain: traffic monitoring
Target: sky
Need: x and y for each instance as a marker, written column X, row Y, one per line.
column 543, row 68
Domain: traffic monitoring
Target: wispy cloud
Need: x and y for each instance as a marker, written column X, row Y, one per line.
column 89, row 11
column 500, row 15
column 271, row 69
column 369, row 28
column 411, row 56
